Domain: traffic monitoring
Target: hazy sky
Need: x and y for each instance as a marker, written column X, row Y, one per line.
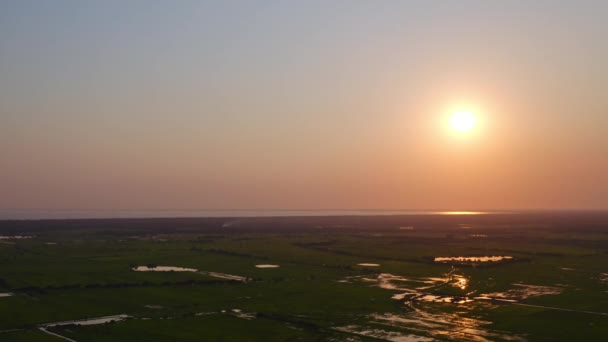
column 303, row 104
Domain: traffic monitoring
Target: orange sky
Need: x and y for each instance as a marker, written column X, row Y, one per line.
column 262, row 105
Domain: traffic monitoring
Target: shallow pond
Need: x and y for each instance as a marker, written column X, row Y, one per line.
column 90, row 321
column 163, row 269
column 267, row 266
column 473, row 259
column 366, row 264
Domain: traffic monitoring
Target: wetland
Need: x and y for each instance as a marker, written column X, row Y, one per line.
column 532, row 277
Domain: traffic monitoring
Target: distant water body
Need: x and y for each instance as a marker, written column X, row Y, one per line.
column 108, row 214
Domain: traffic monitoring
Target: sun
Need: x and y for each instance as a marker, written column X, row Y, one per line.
column 463, row 120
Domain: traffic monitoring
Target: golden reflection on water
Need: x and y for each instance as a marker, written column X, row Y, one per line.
column 462, row 212
column 461, row 282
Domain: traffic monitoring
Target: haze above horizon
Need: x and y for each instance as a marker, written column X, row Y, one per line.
column 116, row 105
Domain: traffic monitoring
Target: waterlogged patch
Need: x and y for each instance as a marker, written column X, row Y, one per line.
column 382, row 334
column 366, row 264
column 442, row 326
column 89, row 321
column 523, row 291
column 442, row 299
column 603, row 278
column 390, row 281
column 224, row 276
column 399, row 296
column 473, row 259
column 6, row 294
column 417, row 289
column 459, row 281
column 267, row 266
column 240, row 314
column 422, row 289
column 155, row 307
column 163, row 269
column 414, row 284
column 15, row 237
column 495, row 299
column 185, row 269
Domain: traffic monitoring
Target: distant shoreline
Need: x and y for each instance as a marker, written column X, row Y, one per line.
column 142, row 214
column 19, row 215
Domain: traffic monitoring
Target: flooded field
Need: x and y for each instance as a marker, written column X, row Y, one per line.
column 423, row 319
column 381, row 334
column 443, row 327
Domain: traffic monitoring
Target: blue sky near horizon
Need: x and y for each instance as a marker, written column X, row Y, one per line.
column 302, row 104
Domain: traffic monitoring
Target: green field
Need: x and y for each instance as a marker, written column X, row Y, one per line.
column 555, row 287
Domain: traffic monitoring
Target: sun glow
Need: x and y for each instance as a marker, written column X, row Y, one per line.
column 463, row 120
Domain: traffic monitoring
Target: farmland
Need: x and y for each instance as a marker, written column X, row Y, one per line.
column 317, row 278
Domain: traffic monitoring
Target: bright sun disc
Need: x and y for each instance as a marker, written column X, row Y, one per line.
column 463, row 120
